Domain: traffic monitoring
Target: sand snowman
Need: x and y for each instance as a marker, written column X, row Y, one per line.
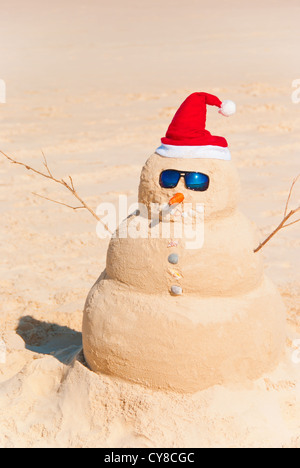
column 167, row 314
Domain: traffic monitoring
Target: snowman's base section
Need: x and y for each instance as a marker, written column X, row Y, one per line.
column 185, row 343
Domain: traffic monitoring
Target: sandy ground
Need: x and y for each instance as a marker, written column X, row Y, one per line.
column 94, row 85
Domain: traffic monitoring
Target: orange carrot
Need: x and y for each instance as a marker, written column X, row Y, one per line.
column 178, row 198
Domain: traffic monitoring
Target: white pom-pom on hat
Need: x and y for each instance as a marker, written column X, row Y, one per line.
column 228, row 108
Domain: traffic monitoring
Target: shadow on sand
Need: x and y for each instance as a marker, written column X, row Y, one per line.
column 50, row 338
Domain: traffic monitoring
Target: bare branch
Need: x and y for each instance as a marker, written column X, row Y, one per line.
column 279, row 227
column 71, row 180
column 290, row 194
column 283, row 224
column 58, row 202
column 13, row 161
column 46, row 165
column 294, row 222
column 62, row 182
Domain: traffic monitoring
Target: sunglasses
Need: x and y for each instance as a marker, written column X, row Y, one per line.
column 193, row 180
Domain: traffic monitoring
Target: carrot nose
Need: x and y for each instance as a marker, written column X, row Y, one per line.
column 178, row 198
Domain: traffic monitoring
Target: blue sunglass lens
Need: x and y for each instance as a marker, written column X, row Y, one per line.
column 193, row 180
column 169, row 178
column 197, row 181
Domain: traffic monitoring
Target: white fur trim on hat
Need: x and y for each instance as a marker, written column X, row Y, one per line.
column 194, row 152
column 228, row 108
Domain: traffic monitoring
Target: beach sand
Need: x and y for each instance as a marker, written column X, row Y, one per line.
column 94, row 85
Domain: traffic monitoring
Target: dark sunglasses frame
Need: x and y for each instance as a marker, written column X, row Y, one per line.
column 184, row 174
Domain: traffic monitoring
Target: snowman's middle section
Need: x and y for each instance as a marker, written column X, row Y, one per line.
column 223, row 265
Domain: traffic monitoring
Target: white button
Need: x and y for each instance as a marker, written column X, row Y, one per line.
column 176, row 290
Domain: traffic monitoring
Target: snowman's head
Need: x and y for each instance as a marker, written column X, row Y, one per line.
column 218, row 193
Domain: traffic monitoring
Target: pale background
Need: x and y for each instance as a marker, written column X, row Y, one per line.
column 94, row 84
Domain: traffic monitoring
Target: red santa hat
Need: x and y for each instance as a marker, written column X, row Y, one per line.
column 187, row 137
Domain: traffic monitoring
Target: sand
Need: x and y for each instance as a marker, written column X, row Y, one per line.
column 94, row 86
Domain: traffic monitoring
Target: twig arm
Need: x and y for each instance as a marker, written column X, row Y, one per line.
column 69, row 186
column 282, row 225
column 290, row 194
column 286, row 217
column 58, row 202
